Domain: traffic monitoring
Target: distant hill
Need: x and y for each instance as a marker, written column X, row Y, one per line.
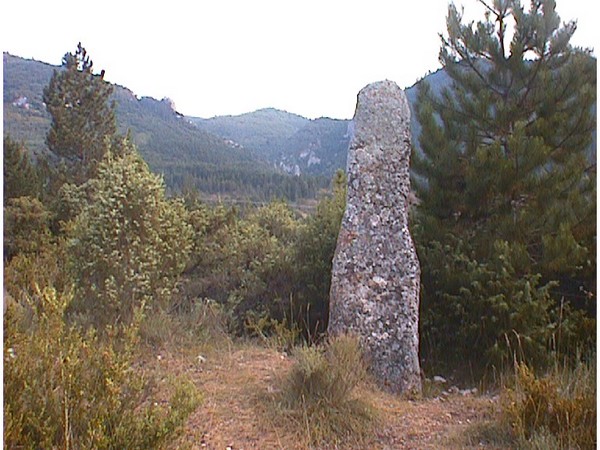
column 291, row 142
column 264, row 130
column 258, row 155
column 296, row 144
column 320, row 147
column 182, row 152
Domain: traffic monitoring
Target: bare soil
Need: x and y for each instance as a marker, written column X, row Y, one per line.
column 236, row 384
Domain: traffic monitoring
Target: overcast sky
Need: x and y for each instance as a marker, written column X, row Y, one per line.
column 309, row 57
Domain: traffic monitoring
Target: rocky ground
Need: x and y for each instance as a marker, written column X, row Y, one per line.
column 237, row 383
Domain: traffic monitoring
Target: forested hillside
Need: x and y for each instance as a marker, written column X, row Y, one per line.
column 293, row 143
column 187, row 156
column 299, row 145
column 248, row 156
column 265, row 129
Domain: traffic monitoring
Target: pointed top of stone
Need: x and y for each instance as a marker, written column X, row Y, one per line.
column 382, row 109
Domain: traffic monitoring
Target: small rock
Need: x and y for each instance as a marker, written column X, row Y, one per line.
column 439, row 379
column 201, row 359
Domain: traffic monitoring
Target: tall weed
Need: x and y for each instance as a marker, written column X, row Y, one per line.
column 559, row 407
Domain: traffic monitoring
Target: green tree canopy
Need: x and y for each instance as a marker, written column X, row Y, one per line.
column 504, row 175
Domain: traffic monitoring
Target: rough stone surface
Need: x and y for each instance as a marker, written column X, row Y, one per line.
column 376, row 274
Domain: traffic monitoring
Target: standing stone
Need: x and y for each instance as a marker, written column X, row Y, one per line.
column 376, row 273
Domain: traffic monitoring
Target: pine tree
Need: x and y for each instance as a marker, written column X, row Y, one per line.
column 504, row 175
column 83, row 118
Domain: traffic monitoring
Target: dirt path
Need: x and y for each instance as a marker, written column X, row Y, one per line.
column 233, row 414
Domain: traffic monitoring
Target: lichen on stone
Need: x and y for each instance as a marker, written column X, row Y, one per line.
column 376, row 274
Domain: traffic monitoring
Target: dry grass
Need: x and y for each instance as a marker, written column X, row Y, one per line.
column 557, row 410
column 204, row 325
column 242, row 383
column 320, row 396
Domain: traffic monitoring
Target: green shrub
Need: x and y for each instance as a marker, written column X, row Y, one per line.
column 486, row 312
column 26, row 226
column 244, row 263
column 267, row 265
column 313, row 258
column 559, row 407
column 320, row 392
column 23, row 276
column 64, row 388
column 278, row 334
column 129, row 243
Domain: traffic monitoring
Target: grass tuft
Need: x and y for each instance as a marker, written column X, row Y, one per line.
column 320, row 393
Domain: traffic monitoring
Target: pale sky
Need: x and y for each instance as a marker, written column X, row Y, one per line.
column 309, row 57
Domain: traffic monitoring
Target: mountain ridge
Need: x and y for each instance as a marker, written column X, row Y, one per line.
column 244, row 154
column 184, row 154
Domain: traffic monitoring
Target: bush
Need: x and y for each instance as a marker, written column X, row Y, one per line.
column 487, row 311
column 313, row 260
column 559, row 408
column 320, row 392
column 23, row 276
column 64, row 388
column 26, row 226
column 129, row 243
column 244, row 263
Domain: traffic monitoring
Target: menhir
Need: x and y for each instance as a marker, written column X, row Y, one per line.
column 376, row 274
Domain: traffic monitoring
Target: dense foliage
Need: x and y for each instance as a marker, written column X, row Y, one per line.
column 506, row 226
column 66, row 388
column 314, row 257
column 21, row 177
column 266, row 263
column 128, row 243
